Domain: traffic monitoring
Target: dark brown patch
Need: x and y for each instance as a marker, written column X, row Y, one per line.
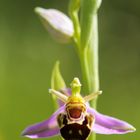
column 85, row 122
column 62, row 120
column 75, row 131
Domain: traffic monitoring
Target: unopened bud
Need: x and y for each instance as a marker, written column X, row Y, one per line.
column 57, row 23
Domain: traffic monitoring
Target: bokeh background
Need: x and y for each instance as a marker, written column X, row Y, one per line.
column 28, row 53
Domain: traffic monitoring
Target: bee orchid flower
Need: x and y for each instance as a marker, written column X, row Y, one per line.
column 76, row 119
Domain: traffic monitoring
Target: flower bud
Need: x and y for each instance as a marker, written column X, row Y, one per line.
column 57, row 23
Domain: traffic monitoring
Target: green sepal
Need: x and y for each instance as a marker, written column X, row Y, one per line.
column 57, row 81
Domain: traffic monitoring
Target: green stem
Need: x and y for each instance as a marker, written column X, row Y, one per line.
column 89, row 62
column 85, row 71
column 74, row 6
column 89, row 45
column 92, row 57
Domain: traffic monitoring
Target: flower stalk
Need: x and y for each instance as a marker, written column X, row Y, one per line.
column 74, row 7
column 87, row 43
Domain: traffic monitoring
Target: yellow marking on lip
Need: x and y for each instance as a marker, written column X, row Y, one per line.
column 74, row 98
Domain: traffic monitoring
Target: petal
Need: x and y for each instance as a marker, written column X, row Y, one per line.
column 67, row 92
column 46, row 128
column 108, row 125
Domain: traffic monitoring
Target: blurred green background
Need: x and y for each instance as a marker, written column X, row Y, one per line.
column 28, row 53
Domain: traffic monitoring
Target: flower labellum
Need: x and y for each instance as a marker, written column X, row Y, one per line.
column 57, row 24
column 75, row 119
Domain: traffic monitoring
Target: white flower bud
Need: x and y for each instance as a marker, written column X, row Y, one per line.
column 57, row 23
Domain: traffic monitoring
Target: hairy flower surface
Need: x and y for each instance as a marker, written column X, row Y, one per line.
column 76, row 119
